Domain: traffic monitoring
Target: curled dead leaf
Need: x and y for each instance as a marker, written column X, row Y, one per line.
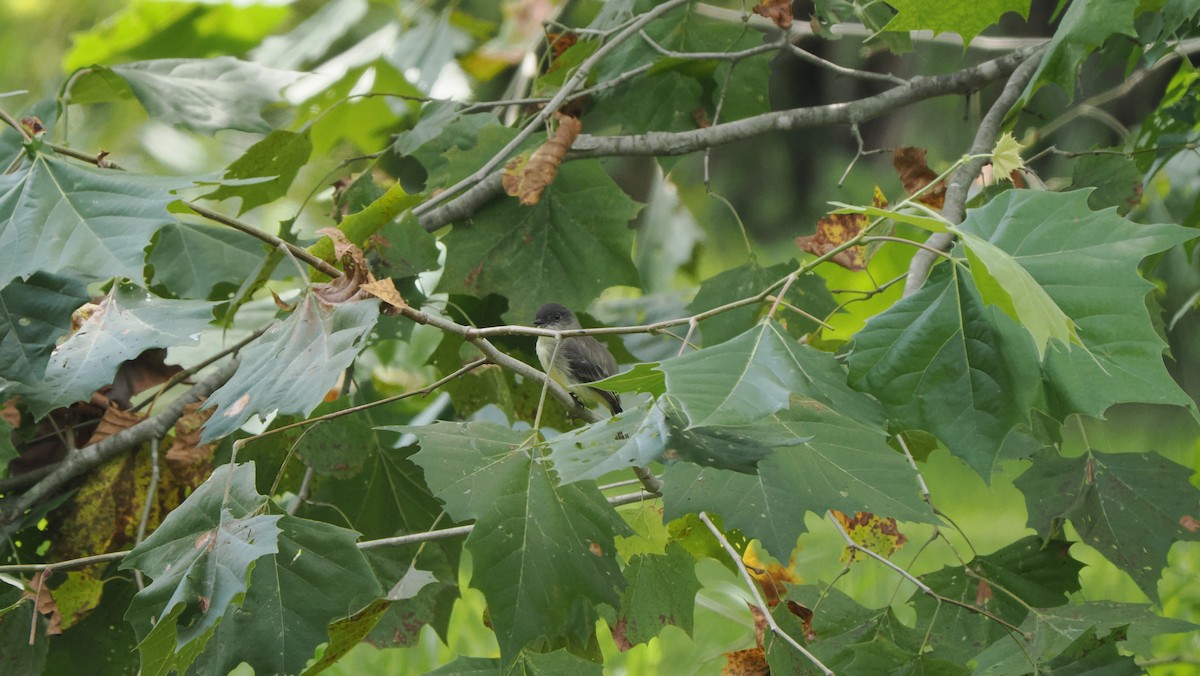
column 834, row 230
column 778, row 11
column 528, row 178
column 806, row 618
column 983, row 593
column 915, row 175
column 385, row 290
column 44, row 601
column 115, row 421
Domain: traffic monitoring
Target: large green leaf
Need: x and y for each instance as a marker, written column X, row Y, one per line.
column 35, row 313
column 1040, row 576
column 1130, row 506
column 200, row 261
column 661, row 591
column 634, row 438
column 754, row 375
column 70, row 218
column 316, row 576
column 1087, row 262
column 127, row 321
column 279, row 156
column 200, row 557
column 1053, row 631
column 968, row 19
column 845, row 465
column 942, row 362
column 204, row 95
column 291, row 366
column 1085, row 26
column 568, row 248
column 543, row 553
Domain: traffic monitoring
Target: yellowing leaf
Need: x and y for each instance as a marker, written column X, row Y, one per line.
column 1006, row 157
column 875, row 533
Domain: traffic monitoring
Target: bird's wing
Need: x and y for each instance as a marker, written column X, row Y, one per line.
column 600, row 366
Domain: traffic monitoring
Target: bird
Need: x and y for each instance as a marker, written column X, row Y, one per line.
column 580, row 359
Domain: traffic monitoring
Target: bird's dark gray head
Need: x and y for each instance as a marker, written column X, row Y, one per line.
column 554, row 316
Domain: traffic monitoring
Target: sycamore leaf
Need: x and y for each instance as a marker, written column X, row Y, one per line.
column 634, row 438
column 808, row 293
column 838, row 228
column 279, row 155
column 778, row 11
column 200, row 261
column 943, row 362
column 1085, row 26
column 968, row 19
column 1006, row 156
column 1040, row 574
column 871, row 532
column 127, row 321
column 924, row 222
column 76, row 219
column 291, row 366
column 1052, row 632
column 204, row 95
column 543, row 552
column 201, row 555
column 754, row 375
column 844, row 464
column 1004, row 283
column 1130, row 506
column 34, row 313
column 1086, row 261
column 661, row 591
column 531, row 253
column 281, row 622
column 528, row 177
column 916, row 175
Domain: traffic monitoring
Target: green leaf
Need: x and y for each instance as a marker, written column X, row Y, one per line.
column 1002, row 282
column 405, row 248
column 636, row 107
column 1087, row 262
column 1055, row 631
column 543, row 553
column 754, row 375
column 569, row 247
column 291, row 366
column 313, row 37
column 7, row 450
column 661, row 591
column 634, row 438
column 201, row 555
column 1129, row 506
column 942, row 362
column 551, row 664
column 845, row 465
column 807, row 292
column 466, row 666
column 923, row 222
column 199, row 261
column 281, row 621
column 1090, row 654
column 70, row 218
column 204, row 95
column 1040, row 576
column 735, row 448
column 641, row 378
column 127, row 321
column 34, row 313
column 1086, row 26
column 279, row 155
column 1115, row 181
column 967, row 19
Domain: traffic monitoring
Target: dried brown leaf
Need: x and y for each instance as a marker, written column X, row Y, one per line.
column 44, row 601
column 778, row 11
column 385, row 290
column 834, row 230
column 915, row 174
column 114, row 421
column 748, row 662
column 527, row 179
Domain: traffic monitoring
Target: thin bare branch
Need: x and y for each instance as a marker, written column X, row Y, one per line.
column 758, row 599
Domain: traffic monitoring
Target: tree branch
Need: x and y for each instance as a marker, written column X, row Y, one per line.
column 954, row 208
column 660, row 144
column 91, row 456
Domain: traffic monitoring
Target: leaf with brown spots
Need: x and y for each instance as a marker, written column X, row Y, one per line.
column 870, row 532
column 770, row 577
column 527, row 178
column 778, row 11
column 915, row 174
column 834, row 230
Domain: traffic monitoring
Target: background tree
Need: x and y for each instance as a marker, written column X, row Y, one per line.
column 270, row 390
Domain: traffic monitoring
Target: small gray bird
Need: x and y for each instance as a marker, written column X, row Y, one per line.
column 580, row 359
